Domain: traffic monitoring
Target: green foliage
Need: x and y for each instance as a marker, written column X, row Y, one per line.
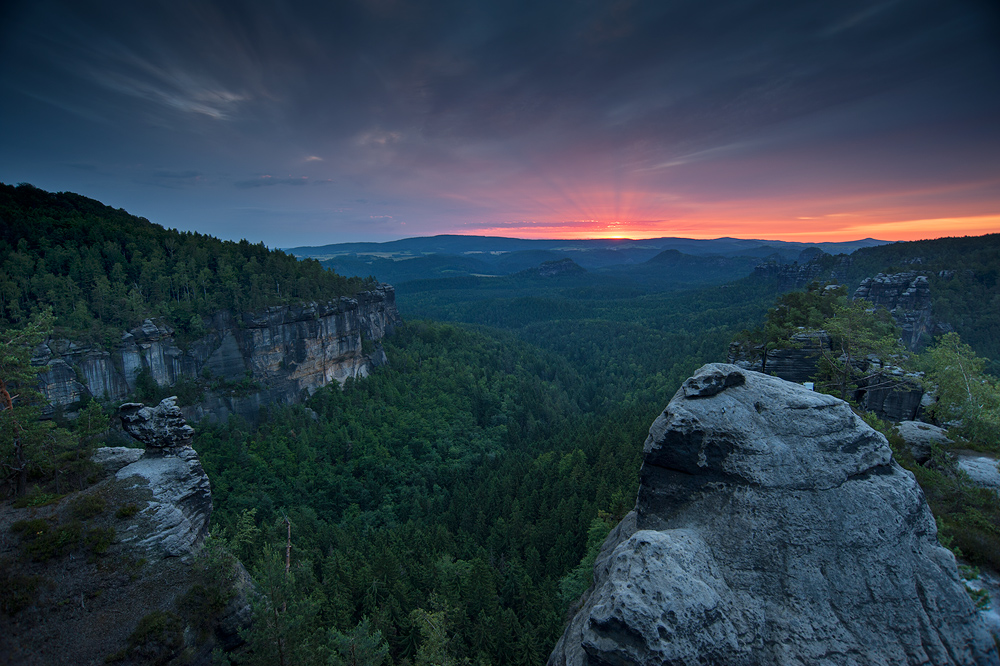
column 361, row 646
column 156, row 640
column 102, row 270
column 88, row 506
column 865, row 339
column 465, row 470
column 964, row 393
column 434, row 649
column 30, row 448
column 17, row 591
column 576, row 582
column 284, row 628
column 127, row 511
column 44, row 542
column 99, row 539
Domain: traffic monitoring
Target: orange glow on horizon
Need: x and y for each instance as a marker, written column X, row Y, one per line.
column 799, row 229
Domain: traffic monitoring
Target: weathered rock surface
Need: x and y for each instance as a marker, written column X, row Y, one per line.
column 82, row 604
column 284, row 351
column 180, row 502
column 798, row 275
column 113, row 458
column 981, row 468
column 921, row 437
column 160, row 427
column 908, row 297
column 772, row 527
column 892, row 397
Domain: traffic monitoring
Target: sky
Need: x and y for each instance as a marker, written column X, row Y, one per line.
column 307, row 123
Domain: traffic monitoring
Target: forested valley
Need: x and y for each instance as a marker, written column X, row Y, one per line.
column 445, row 509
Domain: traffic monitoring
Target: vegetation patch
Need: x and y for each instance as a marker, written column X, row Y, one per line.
column 127, row 510
column 158, row 637
column 99, row 539
column 88, row 506
column 17, row 591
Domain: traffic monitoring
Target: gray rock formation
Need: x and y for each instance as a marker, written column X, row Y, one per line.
column 113, row 458
column 921, row 437
column 284, row 351
column 908, row 297
column 160, row 427
column 797, row 363
column 981, row 468
column 772, row 527
column 893, row 397
column 170, row 473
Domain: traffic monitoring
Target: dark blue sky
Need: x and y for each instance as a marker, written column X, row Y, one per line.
column 308, row 123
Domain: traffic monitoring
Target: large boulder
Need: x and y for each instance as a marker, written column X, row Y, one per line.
column 772, row 527
column 921, row 438
column 160, row 428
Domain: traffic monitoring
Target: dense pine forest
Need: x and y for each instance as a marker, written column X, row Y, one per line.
column 102, row 270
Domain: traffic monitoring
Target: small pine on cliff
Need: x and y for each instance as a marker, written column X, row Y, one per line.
column 103, row 270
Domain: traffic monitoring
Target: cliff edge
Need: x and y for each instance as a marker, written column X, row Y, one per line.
column 772, row 526
column 246, row 361
column 117, row 573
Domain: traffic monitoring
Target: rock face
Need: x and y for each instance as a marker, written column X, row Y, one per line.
column 891, row 397
column 798, row 363
column 87, row 604
column 255, row 359
column 908, row 297
column 981, row 468
column 772, row 527
column 921, row 437
column 160, row 427
column 180, row 502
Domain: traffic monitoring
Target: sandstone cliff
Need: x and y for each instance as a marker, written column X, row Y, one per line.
column 271, row 356
column 908, row 297
column 113, row 574
column 772, row 526
column 891, row 397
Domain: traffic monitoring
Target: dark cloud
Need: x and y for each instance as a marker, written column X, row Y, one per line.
column 499, row 109
column 270, row 181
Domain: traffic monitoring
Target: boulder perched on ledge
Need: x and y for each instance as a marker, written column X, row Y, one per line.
column 160, row 428
column 178, row 492
column 772, row 526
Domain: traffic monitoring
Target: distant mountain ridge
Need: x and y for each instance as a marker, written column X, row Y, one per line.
column 461, row 244
column 653, row 263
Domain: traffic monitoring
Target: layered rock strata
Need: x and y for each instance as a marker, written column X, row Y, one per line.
column 253, row 360
column 891, row 396
column 908, row 297
column 169, row 471
column 772, row 527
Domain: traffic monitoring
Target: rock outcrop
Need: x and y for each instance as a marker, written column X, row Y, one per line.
column 921, row 438
column 127, row 558
column 251, row 360
column 772, row 527
column 892, row 397
column 180, row 496
column 798, row 362
column 908, row 297
column 982, row 468
column 797, row 275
